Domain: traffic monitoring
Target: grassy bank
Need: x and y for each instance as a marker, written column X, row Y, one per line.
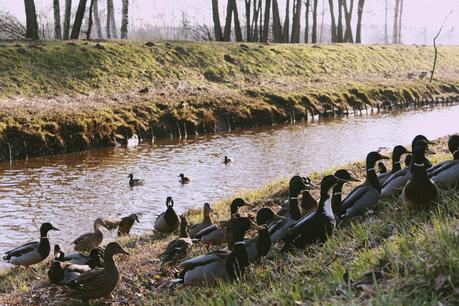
column 391, row 258
column 63, row 97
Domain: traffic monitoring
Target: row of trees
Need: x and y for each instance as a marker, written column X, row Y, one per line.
column 67, row 31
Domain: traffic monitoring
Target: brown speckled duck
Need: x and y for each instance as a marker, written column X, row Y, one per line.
column 206, row 221
column 89, row 241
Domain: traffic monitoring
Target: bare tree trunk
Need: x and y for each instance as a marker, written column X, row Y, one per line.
column 67, row 14
column 340, row 37
column 395, row 33
column 334, row 34
column 314, row 22
column 260, row 10
column 88, row 32
column 267, row 18
column 348, row 36
column 254, row 21
column 78, row 20
column 124, row 19
column 386, row 32
column 435, row 45
column 57, row 20
column 248, row 20
column 229, row 20
column 399, row 34
column 358, row 35
column 306, row 21
column 97, row 19
column 321, row 35
column 31, row 20
column 286, row 31
column 237, row 24
column 216, row 18
column 296, row 25
column 277, row 26
column 112, row 20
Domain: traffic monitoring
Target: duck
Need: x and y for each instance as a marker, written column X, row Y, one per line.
column 168, row 221
column 126, row 223
column 395, row 182
column 227, row 160
column 366, row 195
column 420, row 193
column 33, row 252
column 221, row 265
column 397, row 153
column 89, row 241
column 93, row 260
column 179, row 248
column 278, row 229
column 260, row 245
column 343, row 176
column 216, row 234
column 446, row 174
column 135, row 182
column 100, row 282
column 206, row 221
column 184, row 179
column 308, row 203
column 318, row 225
column 60, row 271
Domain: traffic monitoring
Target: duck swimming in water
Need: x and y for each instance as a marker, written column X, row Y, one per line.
column 366, row 195
column 221, row 265
column 395, row 183
column 168, row 221
column 397, row 153
column 420, row 193
column 227, row 160
column 135, row 182
column 206, row 221
column 446, row 174
column 33, row 252
column 184, row 179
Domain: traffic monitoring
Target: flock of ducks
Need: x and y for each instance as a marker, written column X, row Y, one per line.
column 92, row 273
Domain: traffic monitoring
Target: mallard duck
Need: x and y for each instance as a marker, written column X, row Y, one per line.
column 89, row 241
column 135, row 182
column 227, row 160
column 206, row 221
column 168, row 221
column 397, row 153
column 446, row 174
column 308, row 202
column 99, row 282
column 318, row 225
column 216, row 234
column 126, row 224
column 178, row 248
column 260, row 245
column 93, row 260
column 184, row 179
column 343, row 176
column 395, row 183
column 60, row 271
column 278, row 229
column 367, row 194
column 420, row 193
column 111, row 224
column 33, row 252
column 224, row 265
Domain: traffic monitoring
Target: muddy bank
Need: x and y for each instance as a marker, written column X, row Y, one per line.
column 58, row 98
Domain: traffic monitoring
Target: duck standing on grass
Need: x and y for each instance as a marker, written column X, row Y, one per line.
column 446, row 174
column 397, row 153
column 184, row 179
column 224, row 265
column 366, row 195
column 308, row 203
column 179, row 248
column 343, row 176
column 168, row 221
column 89, row 241
column 100, row 282
column 135, row 182
column 420, row 193
column 33, row 252
column 61, row 271
column 206, row 220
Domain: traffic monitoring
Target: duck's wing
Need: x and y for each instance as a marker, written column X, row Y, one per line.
column 368, row 198
column 395, row 176
column 76, row 258
column 354, row 196
column 446, row 165
column 383, row 177
column 205, row 231
column 21, row 250
column 88, row 281
column 112, row 224
column 204, row 259
column 437, row 166
column 82, row 238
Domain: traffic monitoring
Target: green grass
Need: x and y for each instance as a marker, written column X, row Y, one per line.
column 391, row 256
column 65, row 97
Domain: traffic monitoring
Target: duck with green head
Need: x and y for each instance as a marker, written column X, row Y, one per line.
column 397, row 154
column 343, row 177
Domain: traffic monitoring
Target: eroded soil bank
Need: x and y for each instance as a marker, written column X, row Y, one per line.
column 64, row 97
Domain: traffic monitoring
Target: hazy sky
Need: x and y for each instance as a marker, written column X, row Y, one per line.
column 417, row 13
